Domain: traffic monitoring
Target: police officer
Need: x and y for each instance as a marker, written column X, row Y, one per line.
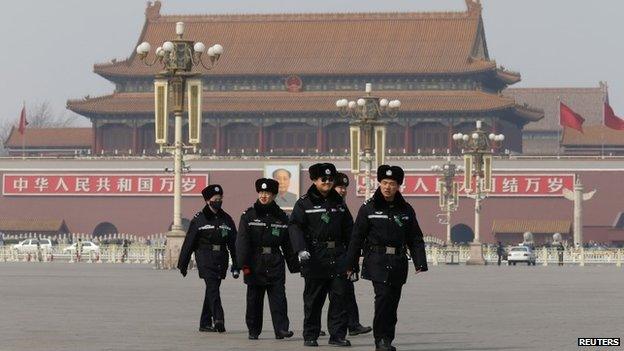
column 385, row 225
column 210, row 235
column 262, row 231
column 320, row 227
column 353, row 314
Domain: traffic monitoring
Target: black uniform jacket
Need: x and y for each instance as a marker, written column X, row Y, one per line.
column 381, row 228
column 210, row 236
column 263, row 243
column 322, row 226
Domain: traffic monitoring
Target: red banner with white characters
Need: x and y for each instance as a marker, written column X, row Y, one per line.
column 504, row 185
column 107, row 184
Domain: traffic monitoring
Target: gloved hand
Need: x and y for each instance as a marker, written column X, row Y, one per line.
column 354, row 276
column 235, row 274
column 303, row 256
column 246, row 270
column 183, row 271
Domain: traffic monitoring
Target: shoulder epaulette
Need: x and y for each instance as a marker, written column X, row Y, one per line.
column 304, row 196
column 197, row 214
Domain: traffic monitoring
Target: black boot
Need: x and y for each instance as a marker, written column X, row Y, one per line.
column 252, row 337
column 384, row 345
column 339, row 342
column 313, row 343
column 208, row 329
column 219, row 326
column 360, row 329
column 280, row 334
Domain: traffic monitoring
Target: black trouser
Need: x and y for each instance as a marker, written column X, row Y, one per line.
column 499, row 259
column 387, row 299
column 351, row 307
column 277, row 305
column 560, row 254
column 212, row 309
column 314, row 295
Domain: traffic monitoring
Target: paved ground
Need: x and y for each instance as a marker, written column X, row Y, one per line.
column 62, row 306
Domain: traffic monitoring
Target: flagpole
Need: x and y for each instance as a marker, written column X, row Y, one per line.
column 560, row 127
column 604, row 101
column 23, row 134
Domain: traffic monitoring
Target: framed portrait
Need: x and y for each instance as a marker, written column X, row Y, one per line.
column 287, row 175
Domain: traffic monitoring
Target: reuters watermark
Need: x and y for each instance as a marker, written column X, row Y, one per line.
column 599, row 342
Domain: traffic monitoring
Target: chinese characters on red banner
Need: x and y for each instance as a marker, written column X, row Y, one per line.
column 100, row 184
column 523, row 185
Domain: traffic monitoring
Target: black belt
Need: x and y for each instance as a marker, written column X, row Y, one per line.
column 266, row 250
column 214, row 247
column 388, row 250
column 325, row 244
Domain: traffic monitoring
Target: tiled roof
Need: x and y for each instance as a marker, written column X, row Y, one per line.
column 322, row 44
column 32, row 225
column 531, row 225
column 278, row 101
column 594, row 135
column 588, row 102
column 51, row 137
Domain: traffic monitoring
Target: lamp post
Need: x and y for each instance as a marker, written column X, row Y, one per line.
column 178, row 58
column 367, row 131
column 448, row 190
column 478, row 176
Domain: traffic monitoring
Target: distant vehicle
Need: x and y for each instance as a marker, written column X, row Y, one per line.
column 30, row 245
column 521, row 254
column 87, row 246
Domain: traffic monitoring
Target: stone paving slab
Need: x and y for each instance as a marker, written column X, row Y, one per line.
column 61, row 306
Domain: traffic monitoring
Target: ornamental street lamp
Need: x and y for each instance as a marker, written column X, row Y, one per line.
column 478, row 176
column 448, row 190
column 367, row 131
column 178, row 57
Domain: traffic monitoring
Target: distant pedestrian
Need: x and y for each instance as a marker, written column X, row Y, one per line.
column 560, row 250
column 78, row 249
column 500, row 251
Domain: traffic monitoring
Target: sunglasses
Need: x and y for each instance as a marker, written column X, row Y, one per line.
column 327, row 179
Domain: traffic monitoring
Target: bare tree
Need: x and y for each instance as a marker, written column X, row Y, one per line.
column 5, row 130
column 41, row 115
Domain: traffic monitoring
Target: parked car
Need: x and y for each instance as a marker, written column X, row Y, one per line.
column 30, row 245
column 87, row 246
column 521, row 254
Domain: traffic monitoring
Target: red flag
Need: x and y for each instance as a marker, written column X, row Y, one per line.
column 610, row 119
column 22, row 122
column 569, row 118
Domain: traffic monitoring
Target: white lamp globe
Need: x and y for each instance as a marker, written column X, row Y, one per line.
column 475, row 136
column 168, row 46
column 465, row 137
column 395, row 103
column 160, row 52
column 218, row 49
column 492, row 136
column 361, row 102
column 352, row 104
column 199, row 47
column 143, row 48
column 383, row 103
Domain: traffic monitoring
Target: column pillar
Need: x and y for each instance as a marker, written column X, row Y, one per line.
column 407, row 138
column 450, row 137
column 261, row 138
column 135, row 139
column 95, row 148
column 218, row 138
column 320, row 140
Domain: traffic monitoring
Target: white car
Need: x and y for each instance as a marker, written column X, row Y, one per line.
column 87, row 246
column 521, row 254
column 30, row 245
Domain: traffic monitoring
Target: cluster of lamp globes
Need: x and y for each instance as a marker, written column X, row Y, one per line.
column 437, row 168
column 383, row 103
column 213, row 52
column 475, row 136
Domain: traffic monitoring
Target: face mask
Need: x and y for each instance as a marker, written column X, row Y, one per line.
column 216, row 204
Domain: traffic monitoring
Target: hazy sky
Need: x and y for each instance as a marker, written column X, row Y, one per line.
column 50, row 46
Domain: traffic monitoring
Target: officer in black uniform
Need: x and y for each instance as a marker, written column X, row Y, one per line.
column 355, row 328
column 262, row 231
column 210, row 235
column 320, row 227
column 385, row 226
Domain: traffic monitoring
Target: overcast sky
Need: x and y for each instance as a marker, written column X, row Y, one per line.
column 50, row 46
